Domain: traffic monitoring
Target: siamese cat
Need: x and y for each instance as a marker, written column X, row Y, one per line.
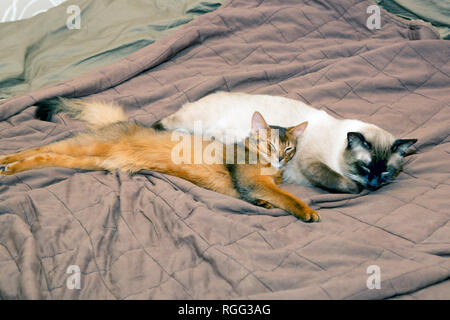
column 113, row 143
column 336, row 155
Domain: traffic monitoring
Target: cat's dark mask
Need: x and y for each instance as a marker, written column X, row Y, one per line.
column 374, row 164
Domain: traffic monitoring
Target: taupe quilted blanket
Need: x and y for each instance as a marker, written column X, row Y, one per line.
column 153, row 236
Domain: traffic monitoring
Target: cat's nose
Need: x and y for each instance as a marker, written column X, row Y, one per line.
column 373, row 184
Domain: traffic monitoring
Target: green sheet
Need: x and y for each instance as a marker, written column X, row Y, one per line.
column 40, row 51
column 437, row 12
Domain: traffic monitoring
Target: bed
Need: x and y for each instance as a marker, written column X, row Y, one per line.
column 154, row 236
column 41, row 50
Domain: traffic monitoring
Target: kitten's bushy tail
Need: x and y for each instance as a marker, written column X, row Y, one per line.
column 96, row 114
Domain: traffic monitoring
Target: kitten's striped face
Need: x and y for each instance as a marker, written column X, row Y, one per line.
column 374, row 164
column 277, row 147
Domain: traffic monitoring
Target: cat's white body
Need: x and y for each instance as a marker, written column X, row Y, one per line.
column 228, row 116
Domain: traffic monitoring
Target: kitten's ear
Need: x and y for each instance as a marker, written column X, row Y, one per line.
column 402, row 145
column 298, row 130
column 356, row 139
column 258, row 122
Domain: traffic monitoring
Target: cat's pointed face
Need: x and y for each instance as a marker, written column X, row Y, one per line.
column 374, row 164
column 274, row 145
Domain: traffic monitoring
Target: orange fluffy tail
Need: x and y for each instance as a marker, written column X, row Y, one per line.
column 96, row 114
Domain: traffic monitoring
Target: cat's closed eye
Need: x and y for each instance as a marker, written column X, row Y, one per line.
column 388, row 174
column 385, row 175
column 272, row 146
column 365, row 169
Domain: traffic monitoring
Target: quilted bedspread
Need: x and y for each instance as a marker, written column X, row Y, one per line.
column 154, row 236
column 41, row 51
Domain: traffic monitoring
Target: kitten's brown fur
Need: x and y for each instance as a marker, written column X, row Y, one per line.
column 130, row 147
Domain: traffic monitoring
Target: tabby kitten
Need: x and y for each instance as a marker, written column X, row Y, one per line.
column 113, row 143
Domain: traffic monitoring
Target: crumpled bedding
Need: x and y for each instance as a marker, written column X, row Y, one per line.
column 43, row 50
column 154, row 236
column 436, row 12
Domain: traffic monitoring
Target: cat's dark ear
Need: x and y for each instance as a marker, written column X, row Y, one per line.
column 298, row 130
column 356, row 139
column 402, row 145
column 258, row 122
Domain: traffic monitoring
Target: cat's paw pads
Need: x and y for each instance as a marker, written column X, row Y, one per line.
column 263, row 203
column 356, row 188
column 4, row 169
column 311, row 215
column 350, row 186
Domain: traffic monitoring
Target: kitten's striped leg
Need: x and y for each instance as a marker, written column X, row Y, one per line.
column 267, row 191
column 52, row 160
column 13, row 157
column 69, row 147
column 22, row 155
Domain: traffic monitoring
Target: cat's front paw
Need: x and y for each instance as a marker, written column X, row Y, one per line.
column 8, row 169
column 263, row 203
column 347, row 185
column 310, row 215
column 4, row 169
column 278, row 180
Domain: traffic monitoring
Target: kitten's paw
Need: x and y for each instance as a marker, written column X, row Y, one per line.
column 263, row 203
column 4, row 169
column 278, row 180
column 349, row 186
column 8, row 169
column 310, row 215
